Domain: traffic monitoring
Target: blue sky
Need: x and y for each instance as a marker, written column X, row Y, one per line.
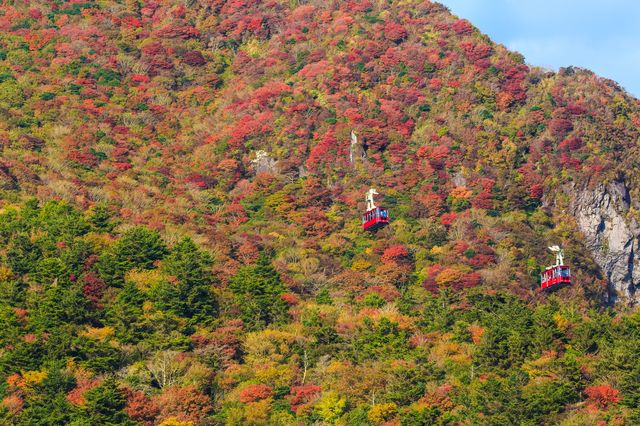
column 600, row 35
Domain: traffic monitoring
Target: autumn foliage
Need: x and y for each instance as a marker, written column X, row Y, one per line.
column 180, row 219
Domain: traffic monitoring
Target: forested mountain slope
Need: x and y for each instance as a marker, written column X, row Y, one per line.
column 180, row 204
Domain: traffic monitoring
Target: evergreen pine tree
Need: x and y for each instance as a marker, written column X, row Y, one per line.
column 258, row 288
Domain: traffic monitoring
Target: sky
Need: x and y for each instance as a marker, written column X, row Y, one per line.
column 600, row 35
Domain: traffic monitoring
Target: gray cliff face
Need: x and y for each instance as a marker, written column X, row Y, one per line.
column 612, row 238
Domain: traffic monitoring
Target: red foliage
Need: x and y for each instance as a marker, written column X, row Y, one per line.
column 387, row 292
column 462, row 26
column 35, row 13
column 447, row 219
column 178, row 31
column 395, row 254
column 570, row 144
column 77, row 395
column 475, row 52
column 194, row 58
column 435, row 84
column 394, row 32
column 132, row 21
column 141, row 408
column 470, row 280
column 300, row 395
column 93, row 288
column 321, row 152
column 535, row 191
column 482, row 201
column 602, row 396
column 154, row 48
column 254, row 393
column 263, row 95
column 576, row 109
column 140, row 78
column 83, row 158
column 428, row 205
column 481, row 260
column 429, row 282
column 560, row 127
column 438, row 156
column 315, row 69
column 513, row 83
column 185, row 403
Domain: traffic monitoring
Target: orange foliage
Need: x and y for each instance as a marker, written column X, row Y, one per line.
column 476, row 333
column 185, row 403
column 255, row 392
column 14, row 403
column 601, row 397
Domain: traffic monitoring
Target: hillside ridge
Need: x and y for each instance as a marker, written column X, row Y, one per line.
column 181, row 192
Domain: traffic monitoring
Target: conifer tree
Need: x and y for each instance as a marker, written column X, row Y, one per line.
column 257, row 289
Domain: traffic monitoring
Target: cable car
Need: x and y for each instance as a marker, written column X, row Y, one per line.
column 556, row 276
column 375, row 217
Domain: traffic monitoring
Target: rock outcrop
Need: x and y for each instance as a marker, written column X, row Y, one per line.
column 612, row 238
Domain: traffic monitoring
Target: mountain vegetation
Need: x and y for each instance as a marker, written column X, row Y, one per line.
column 180, row 239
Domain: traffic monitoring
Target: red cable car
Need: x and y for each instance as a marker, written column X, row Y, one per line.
column 375, row 217
column 556, row 276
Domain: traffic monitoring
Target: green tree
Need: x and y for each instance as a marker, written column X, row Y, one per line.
column 192, row 268
column 257, row 290
column 138, row 248
column 380, row 341
column 105, row 405
column 101, row 218
column 49, row 405
column 58, row 305
column 23, row 254
column 11, row 94
column 61, row 221
column 125, row 315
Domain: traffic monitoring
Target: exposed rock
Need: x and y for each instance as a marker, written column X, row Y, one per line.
column 458, row 179
column 263, row 163
column 610, row 236
column 356, row 150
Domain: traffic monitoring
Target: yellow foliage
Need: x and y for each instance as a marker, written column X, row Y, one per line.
column 281, row 418
column 98, row 333
column 538, row 367
column 445, row 350
column 257, row 413
column 449, row 276
column 278, row 202
column 382, row 412
column 561, row 322
column 337, row 367
column 172, row 421
column 99, row 241
column 145, row 280
column 34, row 377
column 360, row 264
column 273, row 345
column 276, row 375
column 437, row 250
column 330, row 407
column 5, row 273
column 254, row 48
